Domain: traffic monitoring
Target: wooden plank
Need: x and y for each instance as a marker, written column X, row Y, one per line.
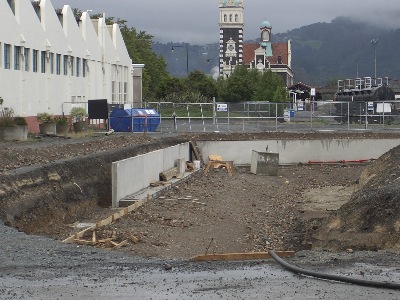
column 241, row 256
column 107, row 221
column 116, row 245
column 207, row 167
column 215, row 157
column 228, row 165
column 197, row 153
column 84, row 242
column 169, row 174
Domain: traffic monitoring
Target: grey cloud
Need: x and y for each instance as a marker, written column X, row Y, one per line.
column 196, row 22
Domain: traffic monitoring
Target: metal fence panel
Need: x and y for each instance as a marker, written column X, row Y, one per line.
column 268, row 116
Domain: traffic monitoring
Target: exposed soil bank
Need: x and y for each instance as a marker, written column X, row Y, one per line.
column 38, row 196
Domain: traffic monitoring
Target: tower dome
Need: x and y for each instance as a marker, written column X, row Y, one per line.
column 231, row 2
column 265, row 24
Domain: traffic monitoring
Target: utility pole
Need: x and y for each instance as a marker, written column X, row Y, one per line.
column 187, row 55
column 374, row 42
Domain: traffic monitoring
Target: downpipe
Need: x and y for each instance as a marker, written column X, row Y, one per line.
column 297, row 270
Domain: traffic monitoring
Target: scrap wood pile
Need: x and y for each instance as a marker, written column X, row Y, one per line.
column 172, row 173
column 216, row 162
column 107, row 239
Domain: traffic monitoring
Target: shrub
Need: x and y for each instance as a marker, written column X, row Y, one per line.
column 7, row 117
column 20, row 121
column 78, row 113
column 45, row 118
column 61, row 120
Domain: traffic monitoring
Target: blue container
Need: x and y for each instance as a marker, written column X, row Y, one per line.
column 134, row 120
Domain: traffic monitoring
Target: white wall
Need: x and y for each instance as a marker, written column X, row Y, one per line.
column 136, row 173
column 299, row 151
column 28, row 92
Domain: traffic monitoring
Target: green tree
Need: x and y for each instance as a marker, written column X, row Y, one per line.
column 198, row 82
column 270, row 88
column 169, row 87
column 237, row 87
column 139, row 46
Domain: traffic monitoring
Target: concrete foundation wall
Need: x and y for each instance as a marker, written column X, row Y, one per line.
column 32, row 197
column 134, row 174
column 299, row 151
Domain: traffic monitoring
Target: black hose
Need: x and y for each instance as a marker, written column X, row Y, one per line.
column 301, row 271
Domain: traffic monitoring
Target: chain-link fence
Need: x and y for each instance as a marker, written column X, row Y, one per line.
column 267, row 116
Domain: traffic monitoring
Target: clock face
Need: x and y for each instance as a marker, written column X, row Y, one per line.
column 231, row 47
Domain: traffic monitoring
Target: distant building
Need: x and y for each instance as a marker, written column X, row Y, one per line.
column 265, row 55
column 230, row 35
column 51, row 62
column 262, row 56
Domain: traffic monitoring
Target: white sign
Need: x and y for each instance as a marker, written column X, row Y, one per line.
column 312, row 92
column 383, row 108
column 222, row 107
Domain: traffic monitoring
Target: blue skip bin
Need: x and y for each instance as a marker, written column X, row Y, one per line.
column 134, row 120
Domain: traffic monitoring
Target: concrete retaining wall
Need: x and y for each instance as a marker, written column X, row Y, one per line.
column 32, row 197
column 299, row 151
column 134, row 174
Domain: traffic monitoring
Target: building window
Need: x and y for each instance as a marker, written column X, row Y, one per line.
column 43, row 61
column 125, row 92
column 230, row 18
column 51, row 63
column 236, row 18
column 225, row 18
column 78, row 66
column 35, row 60
column 72, row 65
column 83, row 67
column 120, row 94
column 58, row 64
column 114, row 92
column 65, row 64
column 27, row 58
column 17, row 58
column 7, row 56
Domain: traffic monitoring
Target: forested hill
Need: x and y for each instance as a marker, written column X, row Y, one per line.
column 323, row 52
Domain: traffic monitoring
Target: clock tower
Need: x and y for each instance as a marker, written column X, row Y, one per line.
column 230, row 35
column 266, row 38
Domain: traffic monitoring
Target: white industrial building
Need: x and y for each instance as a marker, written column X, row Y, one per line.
column 50, row 62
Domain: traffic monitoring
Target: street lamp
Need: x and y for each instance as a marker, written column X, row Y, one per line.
column 187, row 55
column 374, row 42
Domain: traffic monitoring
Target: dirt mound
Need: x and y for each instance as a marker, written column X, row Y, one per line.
column 371, row 219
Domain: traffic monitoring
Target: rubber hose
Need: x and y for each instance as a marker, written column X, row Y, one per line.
column 301, row 271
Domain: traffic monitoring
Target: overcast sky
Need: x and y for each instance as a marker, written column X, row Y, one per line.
column 196, row 21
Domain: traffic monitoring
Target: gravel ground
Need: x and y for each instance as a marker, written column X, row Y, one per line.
column 219, row 213
column 35, row 267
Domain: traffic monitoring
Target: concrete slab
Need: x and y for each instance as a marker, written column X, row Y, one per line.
column 154, row 192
